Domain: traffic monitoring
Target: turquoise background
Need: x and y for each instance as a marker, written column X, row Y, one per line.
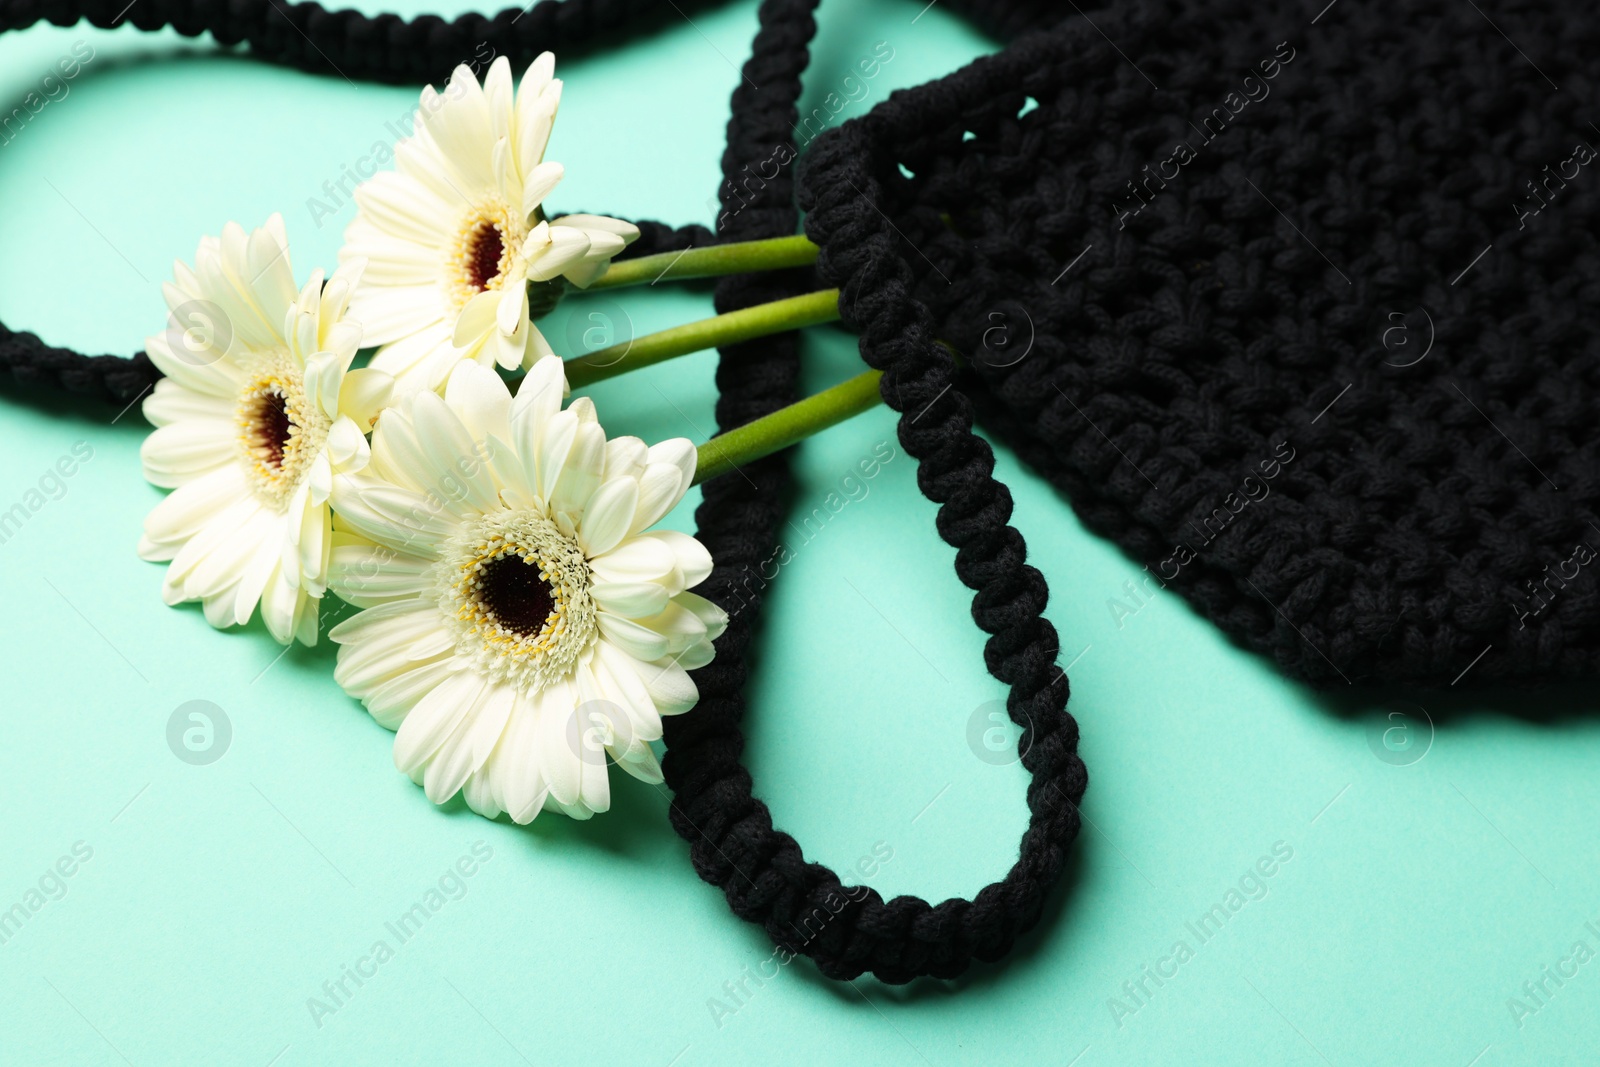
column 1421, row 893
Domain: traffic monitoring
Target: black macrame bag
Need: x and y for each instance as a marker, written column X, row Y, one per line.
column 1312, row 300
column 1201, row 351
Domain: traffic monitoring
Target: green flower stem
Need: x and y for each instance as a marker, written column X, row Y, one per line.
column 743, row 325
column 794, row 423
column 711, row 261
column 782, row 428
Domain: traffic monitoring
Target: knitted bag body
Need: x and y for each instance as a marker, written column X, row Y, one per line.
column 1298, row 308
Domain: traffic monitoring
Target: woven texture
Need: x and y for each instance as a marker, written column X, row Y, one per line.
column 1226, row 373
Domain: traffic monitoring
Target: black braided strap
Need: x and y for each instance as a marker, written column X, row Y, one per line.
column 803, row 906
column 386, row 48
column 30, row 362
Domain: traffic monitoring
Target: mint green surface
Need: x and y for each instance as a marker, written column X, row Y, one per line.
column 217, row 900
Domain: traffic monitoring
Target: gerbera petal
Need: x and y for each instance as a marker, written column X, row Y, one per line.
column 380, row 643
column 262, row 568
column 447, row 771
column 692, row 556
column 538, row 99
column 559, row 761
column 545, row 455
column 481, row 400
column 270, row 273
column 436, row 460
column 348, row 451
column 607, row 516
column 336, row 295
column 627, row 231
column 460, row 473
column 224, row 564
column 391, row 515
column 480, row 795
column 406, row 360
column 491, row 717
column 680, row 452
column 677, row 624
column 660, row 488
column 418, row 159
column 620, row 675
column 458, row 121
column 172, row 402
column 508, row 473
column 390, row 261
column 586, row 272
column 403, row 208
column 392, row 701
column 631, row 600
column 539, row 183
column 644, row 767
column 200, row 372
column 670, row 687
column 636, row 639
column 579, row 476
column 183, row 512
column 501, row 96
column 539, row 396
column 625, row 457
column 320, row 478
column 479, row 317
column 367, row 574
column 567, row 246
column 710, row 615
column 696, row 655
column 183, row 451
column 433, row 719
column 640, row 559
column 280, row 601
column 515, row 767
column 315, row 543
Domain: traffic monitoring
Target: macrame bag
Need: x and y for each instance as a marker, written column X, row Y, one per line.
column 1296, row 306
column 1186, row 335
column 1311, row 300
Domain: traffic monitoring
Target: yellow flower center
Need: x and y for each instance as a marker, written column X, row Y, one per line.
column 280, row 433
column 484, row 252
column 516, row 590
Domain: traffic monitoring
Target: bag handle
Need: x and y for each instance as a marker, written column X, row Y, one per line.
column 803, row 906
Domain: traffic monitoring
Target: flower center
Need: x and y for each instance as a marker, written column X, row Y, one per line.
column 511, row 590
column 485, row 249
column 267, row 416
column 515, row 590
column 280, row 434
column 484, row 253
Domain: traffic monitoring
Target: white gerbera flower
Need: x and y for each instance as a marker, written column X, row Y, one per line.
column 520, row 620
column 455, row 233
column 254, row 417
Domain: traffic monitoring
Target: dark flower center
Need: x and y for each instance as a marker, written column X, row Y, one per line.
column 271, row 424
column 510, row 588
column 484, row 249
